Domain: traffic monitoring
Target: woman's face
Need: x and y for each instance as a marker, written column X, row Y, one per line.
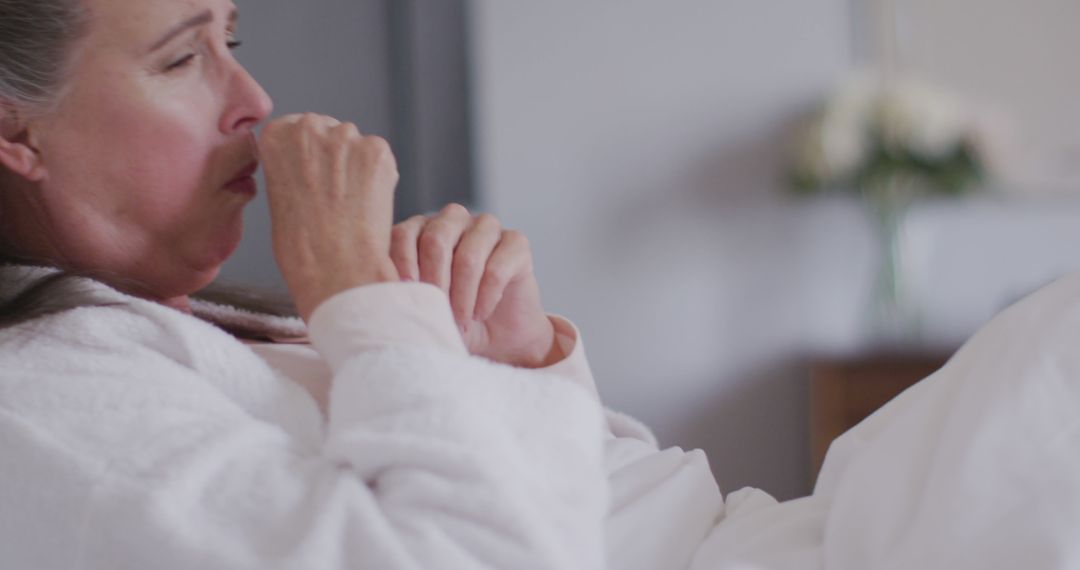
column 138, row 158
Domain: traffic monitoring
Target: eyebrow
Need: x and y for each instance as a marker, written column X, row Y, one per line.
column 200, row 19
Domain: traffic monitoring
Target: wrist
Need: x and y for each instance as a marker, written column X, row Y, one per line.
column 331, row 283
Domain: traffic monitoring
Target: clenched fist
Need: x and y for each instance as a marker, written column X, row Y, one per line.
column 331, row 193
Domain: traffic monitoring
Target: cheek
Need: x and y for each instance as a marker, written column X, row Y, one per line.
column 150, row 163
column 165, row 175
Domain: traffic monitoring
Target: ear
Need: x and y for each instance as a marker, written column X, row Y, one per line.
column 18, row 150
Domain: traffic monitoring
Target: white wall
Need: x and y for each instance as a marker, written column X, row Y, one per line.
column 639, row 144
column 1016, row 57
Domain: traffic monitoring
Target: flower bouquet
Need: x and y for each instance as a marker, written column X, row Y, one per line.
column 890, row 141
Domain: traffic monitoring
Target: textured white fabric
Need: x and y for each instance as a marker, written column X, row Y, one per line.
column 134, row 436
column 663, row 502
column 975, row 468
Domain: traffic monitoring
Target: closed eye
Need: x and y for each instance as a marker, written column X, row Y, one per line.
column 182, row 62
column 189, row 58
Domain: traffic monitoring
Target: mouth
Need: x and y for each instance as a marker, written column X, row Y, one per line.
column 244, row 181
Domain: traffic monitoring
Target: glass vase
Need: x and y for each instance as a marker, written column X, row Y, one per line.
column 894, row 320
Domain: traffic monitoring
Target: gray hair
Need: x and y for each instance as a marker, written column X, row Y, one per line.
column 36, row 37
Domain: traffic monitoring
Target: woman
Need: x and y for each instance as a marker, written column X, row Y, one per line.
column 137, row 435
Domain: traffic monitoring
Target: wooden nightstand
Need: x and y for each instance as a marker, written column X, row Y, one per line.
column 845, row 391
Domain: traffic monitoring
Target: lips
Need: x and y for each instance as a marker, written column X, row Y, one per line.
column 244, row 181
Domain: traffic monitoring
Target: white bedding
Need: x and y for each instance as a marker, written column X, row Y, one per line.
column 975, row 468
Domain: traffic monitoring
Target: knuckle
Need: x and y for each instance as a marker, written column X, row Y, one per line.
column 377, row 145
column 487, row 220
column 516, row 238
column 416, row 222
column 408, row 230
column 378, row 151
column 468, row 262
column 346, row 131
column 455, row 210
column 495, row 276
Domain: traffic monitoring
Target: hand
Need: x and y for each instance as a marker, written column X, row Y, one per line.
column 331, row 193
column 488, row 273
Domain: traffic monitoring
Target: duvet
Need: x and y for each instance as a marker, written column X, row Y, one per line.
column 975, row 468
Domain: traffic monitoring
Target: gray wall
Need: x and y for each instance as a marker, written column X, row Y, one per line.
column 1017, row 60
column 640, row 145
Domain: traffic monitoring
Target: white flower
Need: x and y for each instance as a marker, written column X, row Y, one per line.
column 902, row 115
column 845, row 131
column 829, row 150
column 836, row 142
column 843, row 145
column 914, row 117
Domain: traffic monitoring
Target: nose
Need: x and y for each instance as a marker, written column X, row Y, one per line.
column 248, row 104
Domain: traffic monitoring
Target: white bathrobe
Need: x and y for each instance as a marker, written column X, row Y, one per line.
column 137, row 437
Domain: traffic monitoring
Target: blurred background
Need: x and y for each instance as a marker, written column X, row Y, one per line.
column 694, row 201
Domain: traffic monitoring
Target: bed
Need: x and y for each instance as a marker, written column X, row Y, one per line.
column 976, row 467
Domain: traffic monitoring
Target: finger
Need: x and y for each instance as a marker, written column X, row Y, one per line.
column 403, row 245
column 436, row 244
column 347, row 131
column 317, row 118
column 293, row 126
column 316, row 122
column 511, row 260
column 470, row 259
column 288, row 119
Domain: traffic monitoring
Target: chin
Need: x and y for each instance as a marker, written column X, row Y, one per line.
column 178, row 282
column 222, row 246
column 203, row 279
column 204, row 263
